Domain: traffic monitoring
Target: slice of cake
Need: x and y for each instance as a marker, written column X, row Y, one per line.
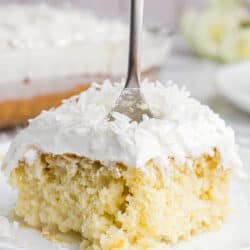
column 120, row 184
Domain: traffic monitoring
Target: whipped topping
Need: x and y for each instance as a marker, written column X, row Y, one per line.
column 50, row 45
column 183, row 129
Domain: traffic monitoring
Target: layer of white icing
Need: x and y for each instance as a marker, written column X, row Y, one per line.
column 183, row 129
column 46, row 44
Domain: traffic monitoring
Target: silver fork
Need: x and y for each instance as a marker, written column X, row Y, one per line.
column 131, row 101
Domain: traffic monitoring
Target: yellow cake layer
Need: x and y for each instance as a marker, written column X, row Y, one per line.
column 120, row 207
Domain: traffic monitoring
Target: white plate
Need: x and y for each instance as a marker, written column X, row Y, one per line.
column 234, row 83
column 234, row 235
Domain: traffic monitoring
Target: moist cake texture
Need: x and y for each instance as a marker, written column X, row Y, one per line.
column 120, row 184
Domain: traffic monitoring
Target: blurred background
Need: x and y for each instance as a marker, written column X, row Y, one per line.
column 51, row 50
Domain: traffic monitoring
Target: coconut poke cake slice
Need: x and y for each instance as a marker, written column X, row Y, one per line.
column 122, row 184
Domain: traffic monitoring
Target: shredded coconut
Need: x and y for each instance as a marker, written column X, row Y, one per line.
column 182, row 128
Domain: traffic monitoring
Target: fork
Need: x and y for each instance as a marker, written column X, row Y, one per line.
column 131, row 101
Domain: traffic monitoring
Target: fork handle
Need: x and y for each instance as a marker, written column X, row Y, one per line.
column 136, row 21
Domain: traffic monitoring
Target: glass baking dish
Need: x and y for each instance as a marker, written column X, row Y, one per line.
column 50, row 51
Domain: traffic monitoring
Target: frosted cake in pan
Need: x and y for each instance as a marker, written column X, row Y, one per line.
column 49, row 53
column 120, row 184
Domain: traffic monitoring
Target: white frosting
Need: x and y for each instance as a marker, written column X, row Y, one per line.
column 183, row 129
column 30, row 156
column 43, row 43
